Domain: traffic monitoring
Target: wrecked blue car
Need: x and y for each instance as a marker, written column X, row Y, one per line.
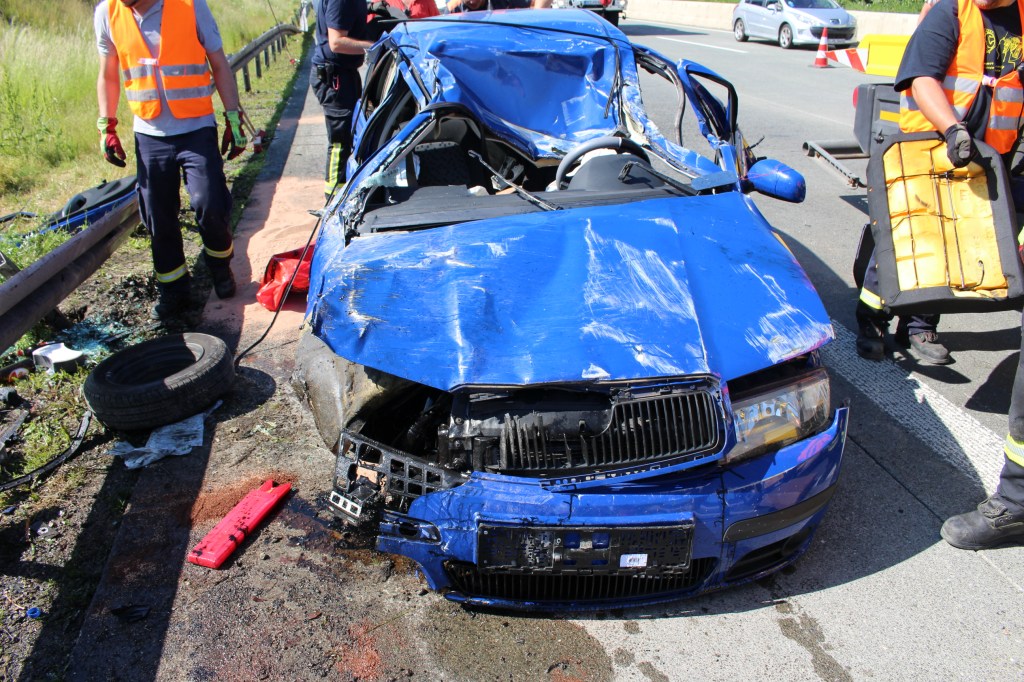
column 562, row 359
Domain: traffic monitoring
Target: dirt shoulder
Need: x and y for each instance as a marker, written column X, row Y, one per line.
column 303, row 597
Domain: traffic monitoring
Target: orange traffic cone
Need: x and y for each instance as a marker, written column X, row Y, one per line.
column 820, row 60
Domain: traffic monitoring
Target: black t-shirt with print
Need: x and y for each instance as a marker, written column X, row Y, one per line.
column 933, row 45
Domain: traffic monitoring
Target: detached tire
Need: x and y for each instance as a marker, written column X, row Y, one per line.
column 159, row 382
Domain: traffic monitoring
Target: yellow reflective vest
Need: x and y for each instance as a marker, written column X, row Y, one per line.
column 182, row 63
column 964, row 79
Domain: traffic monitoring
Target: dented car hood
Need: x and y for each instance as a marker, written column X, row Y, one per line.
column 569, row 296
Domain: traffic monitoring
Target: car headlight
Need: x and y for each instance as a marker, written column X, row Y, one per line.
column 779, row 415
column 801, row 20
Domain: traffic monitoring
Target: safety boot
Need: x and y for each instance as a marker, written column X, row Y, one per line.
column 925, row 345
column 171, row 306
column 871, row 338
column 992, row 524
column 223, row 281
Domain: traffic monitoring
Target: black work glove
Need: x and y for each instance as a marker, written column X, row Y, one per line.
column 960, row 147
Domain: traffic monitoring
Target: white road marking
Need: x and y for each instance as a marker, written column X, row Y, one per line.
column 955, row 435
column 712, row 47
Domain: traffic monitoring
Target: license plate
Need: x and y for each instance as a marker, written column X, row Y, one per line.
column 584, row 549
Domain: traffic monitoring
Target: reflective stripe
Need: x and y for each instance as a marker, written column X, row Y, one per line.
column 1014, row 95
column 1002, row 123
column 140, row 95
column 175, row 274
column 220, row 254
column 188, row 93
column 334, row 162
column 134, row 72
column 870, row 299
column 186, row 70
column 1014, row 450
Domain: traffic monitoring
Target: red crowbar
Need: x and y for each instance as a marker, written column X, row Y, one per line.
column 227, row 535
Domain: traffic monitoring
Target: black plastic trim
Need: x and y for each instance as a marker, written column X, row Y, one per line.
column 769, row 523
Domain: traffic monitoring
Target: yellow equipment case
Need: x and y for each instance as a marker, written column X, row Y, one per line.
column 945, row 238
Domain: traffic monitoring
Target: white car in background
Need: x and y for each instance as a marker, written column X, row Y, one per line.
column 610, row 10
column 794, row 22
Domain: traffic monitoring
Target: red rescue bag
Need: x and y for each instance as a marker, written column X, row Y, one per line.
column 279, row 271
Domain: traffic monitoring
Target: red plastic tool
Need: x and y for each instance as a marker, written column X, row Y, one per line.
column 227, row 535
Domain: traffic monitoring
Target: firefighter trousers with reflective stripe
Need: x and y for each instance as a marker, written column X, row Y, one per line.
column 1011, row 480
column 338, row 96
column 161, row 162
column 870, row 305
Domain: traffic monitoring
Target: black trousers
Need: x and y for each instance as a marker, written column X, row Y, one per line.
column 337, row 93
column 161, row 162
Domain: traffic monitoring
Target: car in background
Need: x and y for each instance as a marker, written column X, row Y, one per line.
column 611, row 10
column 794, row 22
column 563, row 361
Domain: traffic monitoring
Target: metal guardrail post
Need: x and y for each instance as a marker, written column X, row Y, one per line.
column 266, row 57
column 245, row 78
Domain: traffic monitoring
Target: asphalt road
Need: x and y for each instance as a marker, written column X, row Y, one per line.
column 879, row 594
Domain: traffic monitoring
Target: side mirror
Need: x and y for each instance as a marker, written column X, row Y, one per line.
column 775, row 179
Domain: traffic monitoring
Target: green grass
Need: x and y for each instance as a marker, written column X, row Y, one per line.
column 891, row 6
column 49, row 147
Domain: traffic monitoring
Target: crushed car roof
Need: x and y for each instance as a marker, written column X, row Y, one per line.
column 493, row 63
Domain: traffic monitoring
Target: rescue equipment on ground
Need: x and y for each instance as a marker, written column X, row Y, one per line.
column 214, row 549
column 280, row 270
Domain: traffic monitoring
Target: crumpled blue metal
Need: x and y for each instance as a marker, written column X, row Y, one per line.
column 494, row 70
column 676, row 286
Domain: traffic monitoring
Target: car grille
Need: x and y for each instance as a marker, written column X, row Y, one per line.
column 575, row 588
column 833, row 33
column 640, row 430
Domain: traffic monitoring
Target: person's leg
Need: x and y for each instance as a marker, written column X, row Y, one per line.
column 211, row 199
column 920, row 333
column 999, row 520
column 159, row 184
column 337, row 95
column 872, row 319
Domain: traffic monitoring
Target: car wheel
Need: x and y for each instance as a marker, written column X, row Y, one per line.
column 159, row 382
column 785, row 37
column 739, row 31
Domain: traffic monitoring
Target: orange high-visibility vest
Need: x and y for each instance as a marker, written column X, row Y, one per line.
column 184, row 70
column 963, row 80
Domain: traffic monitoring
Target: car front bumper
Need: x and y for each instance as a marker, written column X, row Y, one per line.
column 495, row 541
column 837, row 35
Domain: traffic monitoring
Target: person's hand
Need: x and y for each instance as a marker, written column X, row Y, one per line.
column 233, row 143
column 110, row 143
column 960, row 147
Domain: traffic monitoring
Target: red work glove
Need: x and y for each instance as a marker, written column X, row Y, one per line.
column 110, row 143
column 233, row 143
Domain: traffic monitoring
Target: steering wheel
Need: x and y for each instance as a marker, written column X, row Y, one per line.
column 621, row 145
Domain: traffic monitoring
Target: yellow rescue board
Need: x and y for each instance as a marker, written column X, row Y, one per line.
column 943, row 229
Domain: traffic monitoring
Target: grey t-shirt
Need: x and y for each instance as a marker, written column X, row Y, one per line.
column 149, row 24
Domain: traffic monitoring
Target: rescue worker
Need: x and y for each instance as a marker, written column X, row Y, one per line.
column 969, row 96
column 169, row 85
column 340, row 34
column 959, row 76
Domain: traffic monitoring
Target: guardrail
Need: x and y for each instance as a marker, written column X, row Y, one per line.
column 31, row 294
column 260, row 51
